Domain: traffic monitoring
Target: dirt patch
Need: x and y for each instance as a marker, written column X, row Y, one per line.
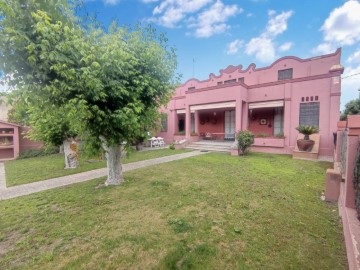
column 9, row 242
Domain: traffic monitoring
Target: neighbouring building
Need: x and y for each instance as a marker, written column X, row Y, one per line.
column 13, row 141
column 270, row 101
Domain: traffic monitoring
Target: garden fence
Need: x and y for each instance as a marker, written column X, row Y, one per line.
column 343, row 152
column 356, row 180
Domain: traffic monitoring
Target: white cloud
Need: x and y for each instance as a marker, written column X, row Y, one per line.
column 111, row 2
column 263, row 46
column 149, row 1
column 286, row 46
column 277, row 24
column 171, row 12
column 233, row 47
column 341, row 28
column 354, row 58
column 350, row 85
column 249, row 15
column 324, row 48
column 343, row 24
column 212, row 21
column 206, row 17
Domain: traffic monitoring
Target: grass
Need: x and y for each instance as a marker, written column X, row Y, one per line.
column 212, row 211
column 30, row 170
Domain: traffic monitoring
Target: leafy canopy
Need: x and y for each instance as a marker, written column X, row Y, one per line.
column 351, row 108
column 107, row 84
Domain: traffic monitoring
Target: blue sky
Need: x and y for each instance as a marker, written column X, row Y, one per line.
column 209, row 35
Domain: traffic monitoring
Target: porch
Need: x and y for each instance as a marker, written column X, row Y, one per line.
column 214, row 122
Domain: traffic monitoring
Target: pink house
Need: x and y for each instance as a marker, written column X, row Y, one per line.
column 269, row 101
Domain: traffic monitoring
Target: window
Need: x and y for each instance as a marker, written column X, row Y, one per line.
column 309, row 113
column 285, row 74
column 191, row 88
column 163, row 122
column 230, row 81
column 241, row 79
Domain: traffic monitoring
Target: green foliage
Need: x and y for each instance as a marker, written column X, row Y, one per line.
column 245, row 139
column 262, row 135
column 46, row 151
column 172, row 146
column 280, row 135
column 105, row 84
column 351, row 108
column 307, row 130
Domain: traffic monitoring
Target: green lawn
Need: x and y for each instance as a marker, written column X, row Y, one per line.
column 212, row 211
column 29, row 170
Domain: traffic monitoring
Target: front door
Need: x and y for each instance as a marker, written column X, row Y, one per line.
column 229, row 125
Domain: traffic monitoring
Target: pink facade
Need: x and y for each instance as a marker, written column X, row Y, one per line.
column 269, row 101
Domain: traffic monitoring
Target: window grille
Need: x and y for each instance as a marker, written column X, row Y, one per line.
column 309, row 114
column 285, row 74
column 230, row 81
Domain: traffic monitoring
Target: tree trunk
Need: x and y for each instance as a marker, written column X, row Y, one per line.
column 71, row 154
column 114, row 153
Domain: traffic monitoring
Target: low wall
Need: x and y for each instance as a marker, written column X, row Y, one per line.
column 269, row 142
column 25, row 143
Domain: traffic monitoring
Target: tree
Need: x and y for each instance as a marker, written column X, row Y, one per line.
column 352, row 107
column 116, row 79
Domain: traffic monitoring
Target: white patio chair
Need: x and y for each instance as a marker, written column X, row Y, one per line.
column 161, row 141
column 154, row 142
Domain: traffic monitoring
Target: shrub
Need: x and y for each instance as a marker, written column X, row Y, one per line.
column 46, row 151
column 172, row 146
column 262, row 135
column 280, row 135
column 245, row 138
column 307, row 130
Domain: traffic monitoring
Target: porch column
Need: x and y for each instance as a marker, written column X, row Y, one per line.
column 196, row 117
column 175, row 123
column 287, row 121
column 245, row 117
column 238, row 115
column 188, row 123
column 351, row 151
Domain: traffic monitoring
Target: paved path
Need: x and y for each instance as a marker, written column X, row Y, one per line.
column 17, row 191
column 2, row 176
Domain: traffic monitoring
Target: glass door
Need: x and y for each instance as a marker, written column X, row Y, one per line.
column 229, row 125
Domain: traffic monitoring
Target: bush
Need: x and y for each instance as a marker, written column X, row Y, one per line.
column 46, row 151
column 262, row 135
column 172, row 146
column 245, row 138
column 307, row 130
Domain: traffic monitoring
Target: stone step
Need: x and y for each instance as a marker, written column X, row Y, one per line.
column 213, row 143
column 209, row 148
